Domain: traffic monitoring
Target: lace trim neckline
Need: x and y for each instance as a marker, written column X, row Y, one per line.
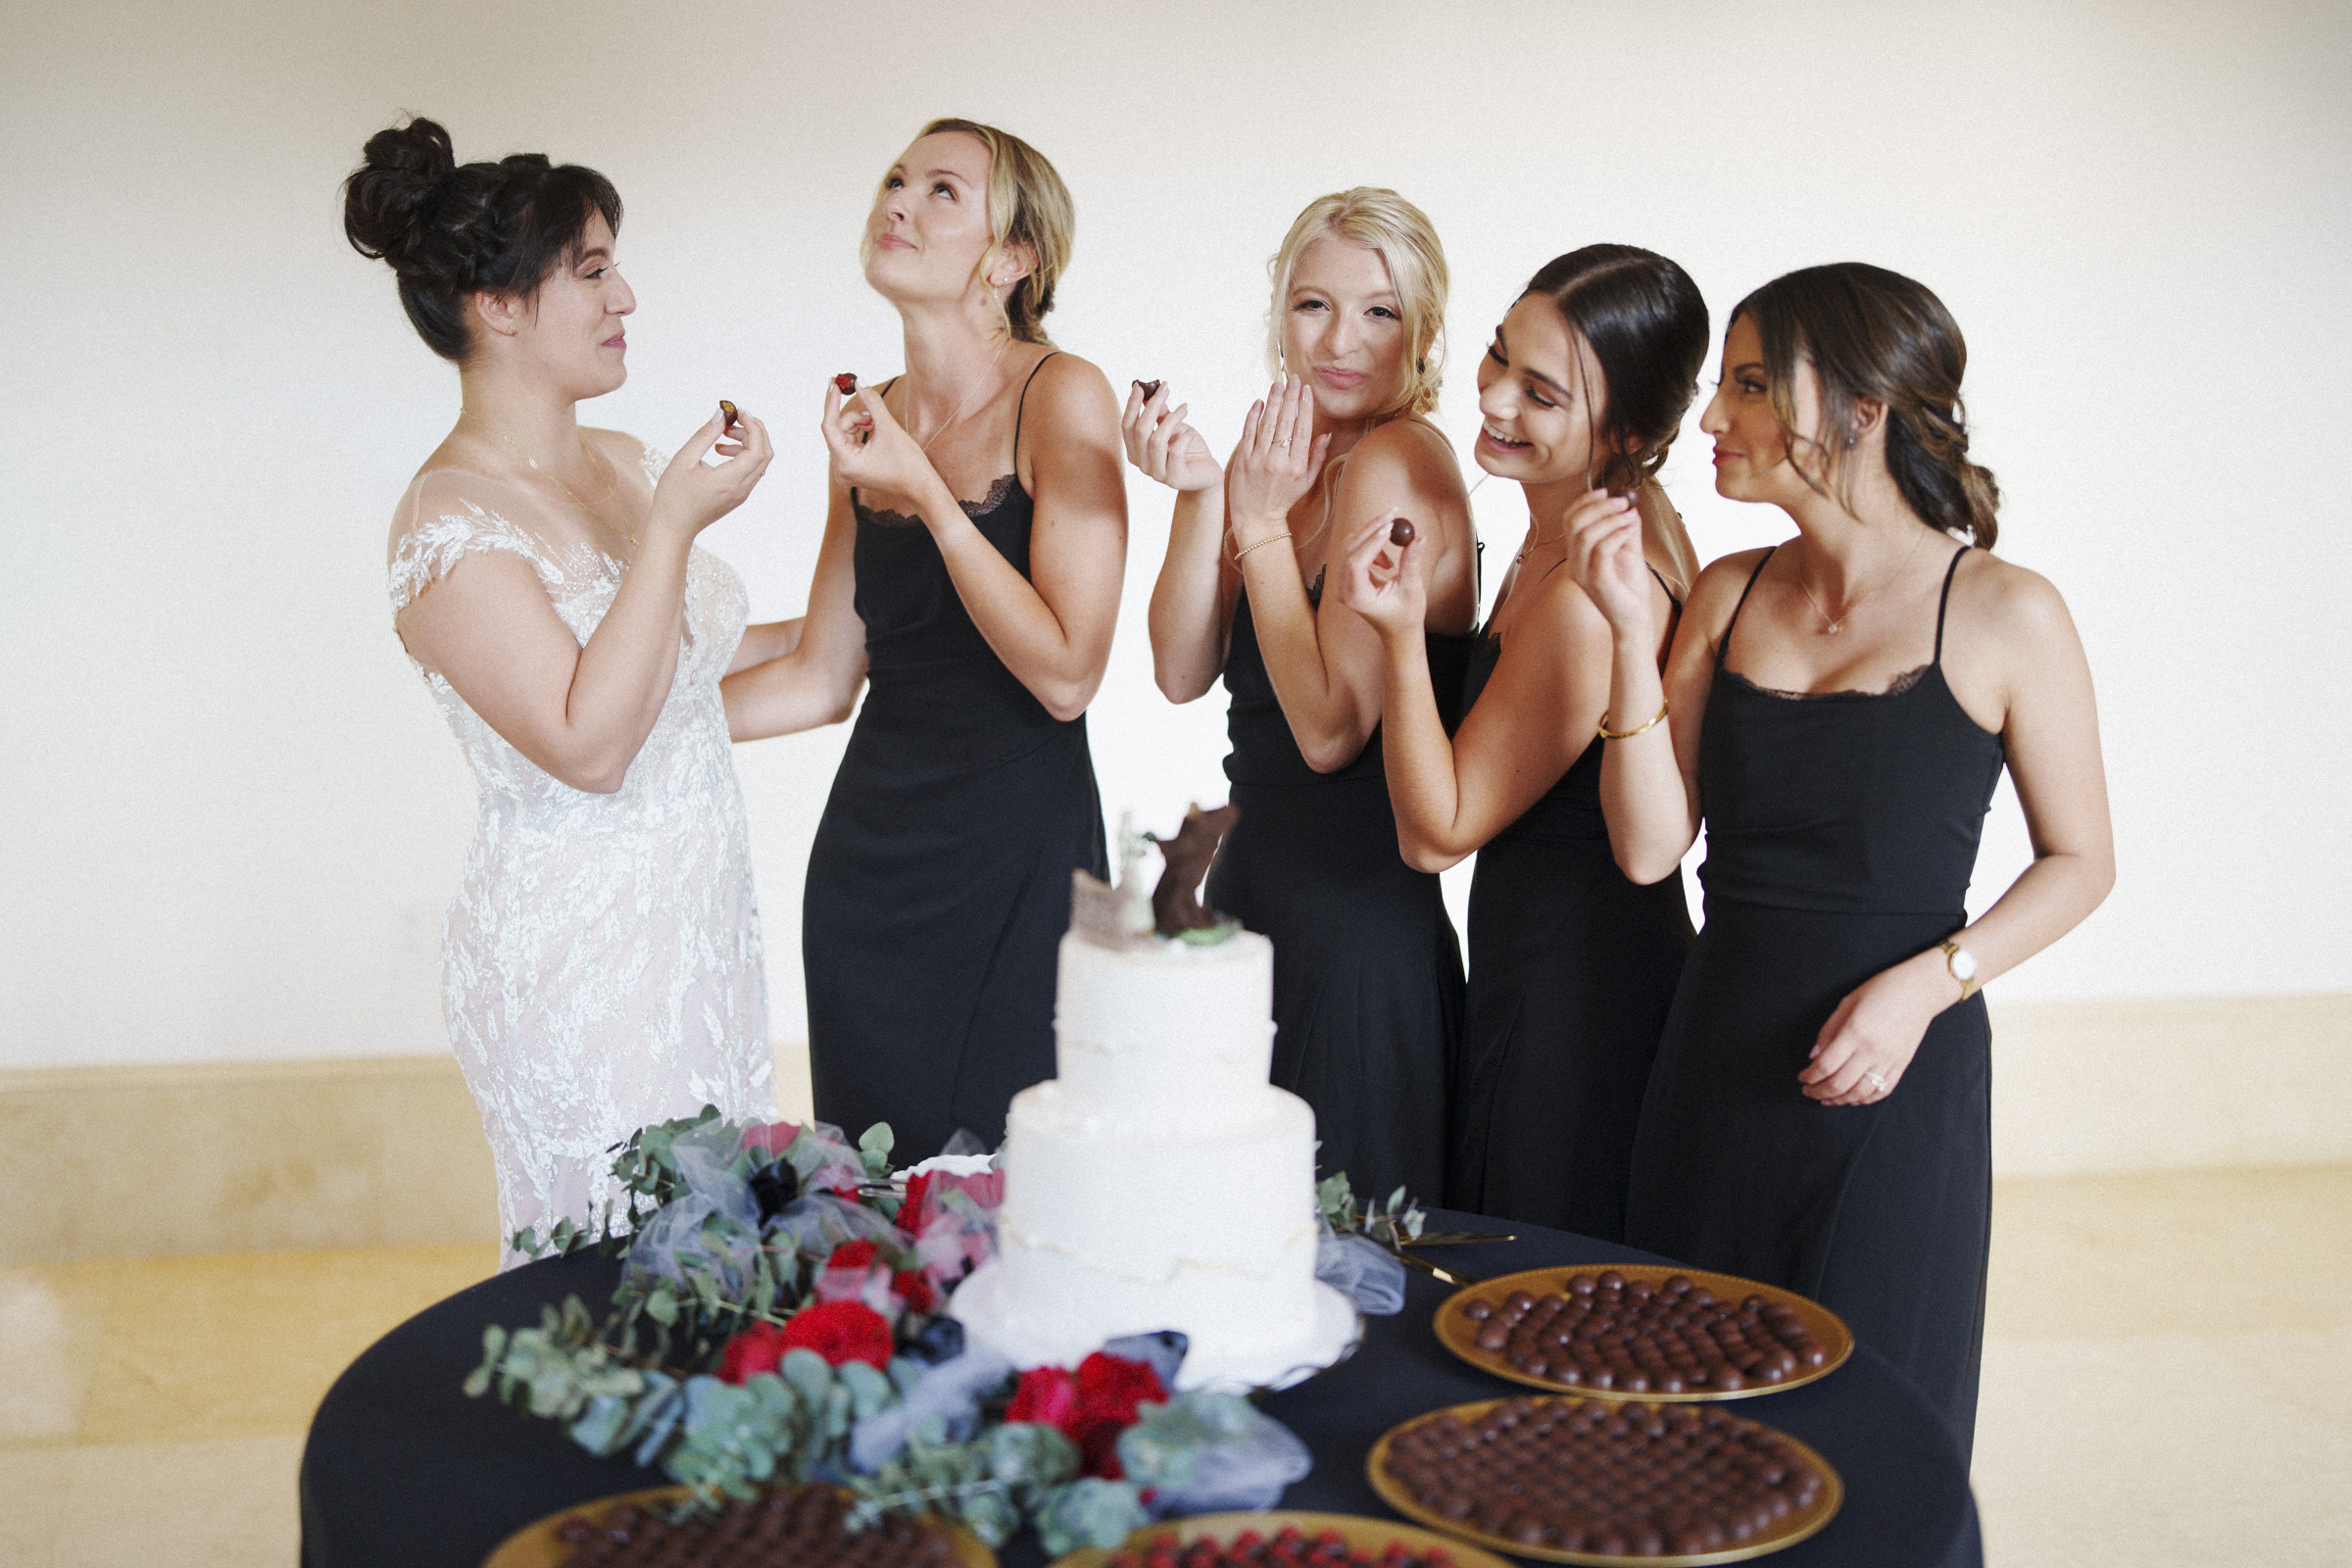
column 997, row 494
column 1894, row 688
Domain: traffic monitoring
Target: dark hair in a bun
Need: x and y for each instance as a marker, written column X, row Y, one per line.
column 450, row 230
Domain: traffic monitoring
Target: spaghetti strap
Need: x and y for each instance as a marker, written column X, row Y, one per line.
column 1018, row 408
column 1945, row 601
column 1669, row 587
column 1723, row 645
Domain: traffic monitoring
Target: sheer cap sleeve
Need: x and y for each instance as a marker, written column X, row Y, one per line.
column 442, row 525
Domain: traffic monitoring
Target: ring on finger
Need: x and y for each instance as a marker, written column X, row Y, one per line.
column 1876, row 1082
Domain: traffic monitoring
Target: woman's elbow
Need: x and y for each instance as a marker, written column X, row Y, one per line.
column 1329, row 753
column 1422, row 855
column 1067, row 700
column 592, row 775
column 1643, row 865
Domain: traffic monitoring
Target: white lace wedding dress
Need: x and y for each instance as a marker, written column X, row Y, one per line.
column 601, row 964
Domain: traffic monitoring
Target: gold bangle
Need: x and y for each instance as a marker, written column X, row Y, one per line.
column 1272, row 538
column 1608, row 734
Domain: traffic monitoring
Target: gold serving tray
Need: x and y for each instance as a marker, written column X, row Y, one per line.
column 1368, row 1536
column 535, row 1546
column 1784, row 1533
column 1459, row 1334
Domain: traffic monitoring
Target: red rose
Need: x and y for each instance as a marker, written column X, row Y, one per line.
column 913, row 1287
column 1110, row 1388
column 910, row 1212
column 841, row 1331
column 1047, row 1394
column 851, row 1254
column 755, row 1349
column 774, row 1137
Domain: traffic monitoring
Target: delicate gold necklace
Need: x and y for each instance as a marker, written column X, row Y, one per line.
column 612, row 479
column 925, row 446
column 1834, row 627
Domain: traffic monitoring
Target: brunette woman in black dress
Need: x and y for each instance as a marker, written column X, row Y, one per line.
column 1367, row 970
column 970, row 572
column 1838, row 708
column 1572, row 965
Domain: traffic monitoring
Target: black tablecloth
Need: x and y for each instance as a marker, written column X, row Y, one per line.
column 403, row 1470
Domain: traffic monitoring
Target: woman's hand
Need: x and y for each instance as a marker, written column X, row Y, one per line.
column 1386, row 583
column 694, row 494
column 870, row 449
column 1276, row 463
column 1162, row 445
column 1604, row 556
column 1861, row 1053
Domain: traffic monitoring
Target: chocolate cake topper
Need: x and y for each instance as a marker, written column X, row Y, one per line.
column 1176, row 906
column 1125, row 916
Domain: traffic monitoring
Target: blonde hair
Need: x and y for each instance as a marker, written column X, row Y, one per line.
column 1027, row 204
column 1386, row 222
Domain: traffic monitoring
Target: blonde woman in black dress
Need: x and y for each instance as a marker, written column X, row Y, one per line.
column 970, row 572
column 1838, row 709
column 1367, row 970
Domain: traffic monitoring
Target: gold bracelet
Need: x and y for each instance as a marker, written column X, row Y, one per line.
column 1272, row 538
column 1608, row 734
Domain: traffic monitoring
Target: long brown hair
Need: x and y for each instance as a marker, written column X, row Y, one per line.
column 1872, row 333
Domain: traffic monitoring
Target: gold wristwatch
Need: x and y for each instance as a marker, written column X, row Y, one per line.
column 1961, row 965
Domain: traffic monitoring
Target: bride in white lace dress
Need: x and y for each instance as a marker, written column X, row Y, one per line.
column 601, row 962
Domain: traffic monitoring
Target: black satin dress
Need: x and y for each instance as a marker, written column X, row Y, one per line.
column 1841, row 831
column 939, row 884
column 1572, row 973
column 1367, row 969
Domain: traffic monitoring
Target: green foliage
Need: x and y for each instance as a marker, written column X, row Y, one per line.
column 646, row 1166
column 1399, row 1223
column 988, row 1484
column 554, row 1370
column 1090, row 1513
column 874, row 1149
column 1159, row 1450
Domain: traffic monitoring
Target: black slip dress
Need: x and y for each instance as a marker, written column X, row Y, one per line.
column 1572, row 973
column 1367, row 969
column 939, row 883
column 1841, row 830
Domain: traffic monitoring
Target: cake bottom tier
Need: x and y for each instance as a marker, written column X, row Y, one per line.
column 1236, row 1351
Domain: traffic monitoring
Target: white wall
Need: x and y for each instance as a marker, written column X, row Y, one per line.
column 233, row 816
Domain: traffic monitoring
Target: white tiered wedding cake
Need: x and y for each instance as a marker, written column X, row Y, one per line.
column 1161, row 1182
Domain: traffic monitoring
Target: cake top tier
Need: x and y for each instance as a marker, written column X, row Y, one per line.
column 1119, row 1013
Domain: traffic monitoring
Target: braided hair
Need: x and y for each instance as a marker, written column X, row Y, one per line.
column 451, row 230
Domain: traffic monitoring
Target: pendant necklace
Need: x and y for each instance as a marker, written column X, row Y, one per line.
column 612, row 480
column 1831, row 627
column 924, row 446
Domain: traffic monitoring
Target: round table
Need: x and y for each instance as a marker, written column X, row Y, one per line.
column 403, row 1470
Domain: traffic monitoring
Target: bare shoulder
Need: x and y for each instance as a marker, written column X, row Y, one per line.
column 454, row 493
column 1071, row 393
column 1409, row 452
column 1563, row 609
column 1723, row 580
column 2015, row 606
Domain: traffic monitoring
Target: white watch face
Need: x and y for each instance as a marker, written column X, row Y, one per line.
column 1962, row 964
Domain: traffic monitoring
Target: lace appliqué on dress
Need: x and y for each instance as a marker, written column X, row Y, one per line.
column 883, row 518
column 601, row 963
column 1894, row 688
